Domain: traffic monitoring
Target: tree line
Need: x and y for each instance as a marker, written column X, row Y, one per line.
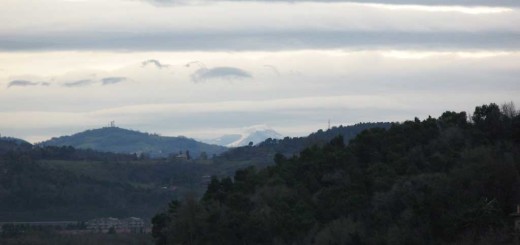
column 447, row 180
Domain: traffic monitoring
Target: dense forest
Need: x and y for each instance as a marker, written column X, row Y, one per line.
column 452, row 179
column 262, row 154
column 62, row 183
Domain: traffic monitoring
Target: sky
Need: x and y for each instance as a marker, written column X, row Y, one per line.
column 205, row 68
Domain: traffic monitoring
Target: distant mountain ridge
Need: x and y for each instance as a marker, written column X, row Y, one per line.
column 223, row 140
column 255, row 134
column 262, row 154
column 119, row 140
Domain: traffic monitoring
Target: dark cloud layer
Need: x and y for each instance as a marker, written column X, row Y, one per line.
column 227, row 73
column 21, row 83
column 414, row 2
column 113, row 80
column 270, row 41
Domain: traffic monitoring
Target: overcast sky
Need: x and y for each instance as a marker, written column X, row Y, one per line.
column 207, row 68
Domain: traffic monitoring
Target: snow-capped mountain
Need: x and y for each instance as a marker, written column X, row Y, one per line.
column 223, row 140
column 255, row 134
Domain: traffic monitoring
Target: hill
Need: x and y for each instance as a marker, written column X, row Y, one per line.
column 446, row 180
column 119, row 140
column 13, row 144
column 262, row 154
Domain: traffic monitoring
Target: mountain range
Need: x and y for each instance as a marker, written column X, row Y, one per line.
column 120, row 140
column 254, row 134
column 53, row 180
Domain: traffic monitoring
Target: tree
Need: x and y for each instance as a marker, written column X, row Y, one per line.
column 487, row 119
column 419, row 182
column 203, row 156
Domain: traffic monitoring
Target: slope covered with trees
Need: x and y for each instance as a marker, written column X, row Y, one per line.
column 436, row 181
column 63, row 183
column 262, row 154
column 13, row 144
column 114, row 139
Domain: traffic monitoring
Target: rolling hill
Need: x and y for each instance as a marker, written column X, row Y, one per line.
column 115, row 139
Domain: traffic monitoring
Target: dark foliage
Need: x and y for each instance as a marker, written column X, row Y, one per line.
column 436, row 181
column 62, row 183
column 262, row 155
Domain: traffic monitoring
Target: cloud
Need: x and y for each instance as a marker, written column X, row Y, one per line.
column 21, row 83
column 241, row 25
column 169, row 3
column 403, row 2
column 113, row 80
column 26, row 83
column 226, row 73
column 79, row 83
column 273, row 41
column 338, row 84
column 156, row 63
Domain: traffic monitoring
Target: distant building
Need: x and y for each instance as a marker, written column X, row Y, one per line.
column 128, row 225
column 182, row 155
column 103, row 225
column 133, row 225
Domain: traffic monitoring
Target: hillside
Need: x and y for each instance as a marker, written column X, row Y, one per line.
column 262, row 154
column 13, row 144
column 446, row 180
column 46, row 182
column 114, row 139
column 62, row 183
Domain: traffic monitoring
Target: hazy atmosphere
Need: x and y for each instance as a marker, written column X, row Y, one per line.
column 208, row 68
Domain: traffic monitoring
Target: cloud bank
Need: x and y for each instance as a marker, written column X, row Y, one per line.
column 407, row 2
column 242, row 26
column 79, row 83
column 224, row 73
column 113, row 80
column 21, row 83
column 277, row 41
